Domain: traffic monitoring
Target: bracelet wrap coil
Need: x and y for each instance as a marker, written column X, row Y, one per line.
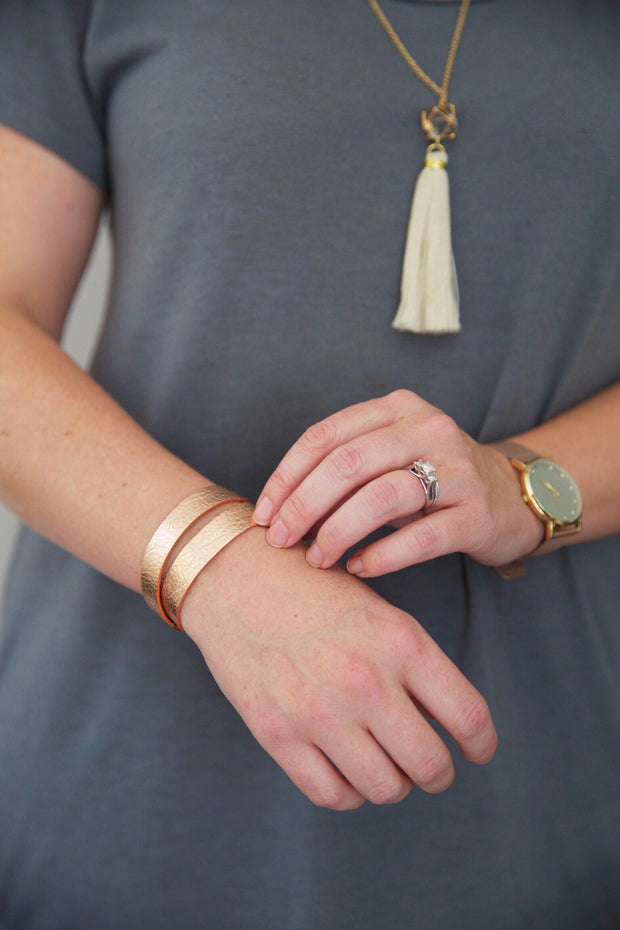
column 170, row 532
column 199, row 551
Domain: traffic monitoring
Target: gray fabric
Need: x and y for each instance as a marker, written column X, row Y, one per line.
column 260, row 159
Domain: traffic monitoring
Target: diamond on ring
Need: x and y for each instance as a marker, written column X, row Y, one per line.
column 427, row 475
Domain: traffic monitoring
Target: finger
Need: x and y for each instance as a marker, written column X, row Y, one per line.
column 315, row 776
column 366, row 766
column 379, row 502
column 454, row 702
column 347, row 468
column 413, row 744
column 437, row 533
column 314, row 445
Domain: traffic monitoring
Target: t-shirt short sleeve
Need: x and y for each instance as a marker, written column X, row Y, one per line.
column 44, row 90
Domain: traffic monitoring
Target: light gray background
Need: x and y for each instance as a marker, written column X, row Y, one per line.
column 79, row 337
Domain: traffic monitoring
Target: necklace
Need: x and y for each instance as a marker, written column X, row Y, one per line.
column 429, row 289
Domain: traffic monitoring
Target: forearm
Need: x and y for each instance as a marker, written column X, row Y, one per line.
column 73, row 464
column 586, row 441
column 305, row 658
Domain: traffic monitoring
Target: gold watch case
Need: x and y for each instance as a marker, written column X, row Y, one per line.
column 552, row 493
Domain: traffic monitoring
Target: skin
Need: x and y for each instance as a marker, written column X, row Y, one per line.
column 332, row 680
column 347, row 476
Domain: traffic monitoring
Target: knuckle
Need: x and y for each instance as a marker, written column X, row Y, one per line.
column 387, row 789
column 383, row 496
column 296, row 511
column 329, row 538
column 399, row 398
column 426, row 539
column 346, row 462
column 318, row 438
column 281, row 481
column 374, row 561
column 335, row 796
column 272, row 733
column 434, row 768
column 332, row 795
column 409, row 636
column 470, row 471
column 440, row 424
column 473, row 720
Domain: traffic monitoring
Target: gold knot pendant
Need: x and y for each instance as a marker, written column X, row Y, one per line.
column 440, row 122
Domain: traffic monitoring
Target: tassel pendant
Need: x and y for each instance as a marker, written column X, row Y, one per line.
column 429, row 288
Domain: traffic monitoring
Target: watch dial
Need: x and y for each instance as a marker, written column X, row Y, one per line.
column 555, row 490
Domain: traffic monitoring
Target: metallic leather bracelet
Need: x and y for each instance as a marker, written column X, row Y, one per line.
column 198, row 552
column 170, row 532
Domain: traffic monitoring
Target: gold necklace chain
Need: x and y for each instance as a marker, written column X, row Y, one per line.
column 429, row 291
column 442, row 92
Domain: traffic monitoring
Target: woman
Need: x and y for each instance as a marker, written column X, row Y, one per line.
column 257, row 163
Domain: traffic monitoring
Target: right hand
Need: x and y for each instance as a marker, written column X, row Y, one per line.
column 334, row 682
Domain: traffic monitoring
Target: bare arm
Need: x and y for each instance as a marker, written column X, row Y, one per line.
column 586, row 440
column 73, row 464
column 322, row 670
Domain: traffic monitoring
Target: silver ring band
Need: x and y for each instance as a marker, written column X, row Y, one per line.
column 427, row 475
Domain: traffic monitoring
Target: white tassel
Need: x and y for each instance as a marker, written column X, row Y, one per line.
column 429, row 288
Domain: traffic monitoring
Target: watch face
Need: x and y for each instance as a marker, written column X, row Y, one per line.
column 556, row 493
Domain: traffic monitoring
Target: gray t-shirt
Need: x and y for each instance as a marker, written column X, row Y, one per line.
column 259, row 160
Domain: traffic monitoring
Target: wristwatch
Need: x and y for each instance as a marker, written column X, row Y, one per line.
column 550, row 492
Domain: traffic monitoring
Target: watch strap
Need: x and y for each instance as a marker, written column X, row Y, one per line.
column 514, row 450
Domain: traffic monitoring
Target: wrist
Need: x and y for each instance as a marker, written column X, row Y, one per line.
column 549, row 494
column 230, row 576
column 192, row 534
column 527, row 530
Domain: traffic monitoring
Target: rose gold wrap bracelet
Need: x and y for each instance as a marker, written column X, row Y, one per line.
column 170, row 532
column 199, row 551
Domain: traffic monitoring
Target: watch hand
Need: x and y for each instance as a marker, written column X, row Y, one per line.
column 551, row 488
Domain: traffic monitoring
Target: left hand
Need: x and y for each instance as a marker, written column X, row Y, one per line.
column 348, row 475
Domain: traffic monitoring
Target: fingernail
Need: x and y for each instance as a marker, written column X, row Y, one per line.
column 278, row 535
column 314, row 556
column 354, row 565
column 263, row 511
